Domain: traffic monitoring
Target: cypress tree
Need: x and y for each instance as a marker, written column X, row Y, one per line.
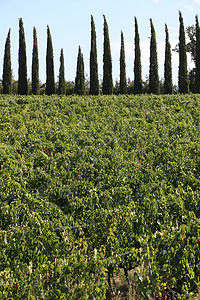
column 183, row 82
column 122, row 82
column 137, row 62
column 61, row 83
column 107, row 62
column 50, row 81
column 94, row 81
column 197, row 61
column 168, row 87
column 35, row 65
column 22, row 72
column 7, row 71
column 153, row 70
column 80, row 77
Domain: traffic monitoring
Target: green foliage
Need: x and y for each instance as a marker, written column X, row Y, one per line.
column 40, row 256
column 153, row 68
column 197, row 61
column 70, row 87
column 61, row 83
column 90, row 185
column 183, row 82
column 168, row 87
column 22, row 74
column 137, row 62
column 94, row 81
column 191, row 45
column 80, row 76
column 107, row 88
column 7, row 71
column 50, row 81
column 35, row 65
column 122, row 82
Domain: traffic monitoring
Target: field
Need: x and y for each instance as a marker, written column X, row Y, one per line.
column 93, row 186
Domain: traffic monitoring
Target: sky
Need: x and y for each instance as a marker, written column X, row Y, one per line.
column 70, row 26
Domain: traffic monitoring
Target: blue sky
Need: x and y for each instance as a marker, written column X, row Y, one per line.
column 69, row 23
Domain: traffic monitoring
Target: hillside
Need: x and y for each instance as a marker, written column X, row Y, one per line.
column 93, row 185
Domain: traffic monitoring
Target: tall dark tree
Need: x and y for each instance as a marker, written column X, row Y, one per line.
column 191, row 45
column 22, row 71
column 107, row 62
column 80, row 77
column 94, row 81
column 183, row 82
column 50, row 80
column 197, row 61
column 35, row 65
column 168, row 86
column 137, row 62
column 122, row 81
column 61, row 83
column 153, row 69
column 7, row 71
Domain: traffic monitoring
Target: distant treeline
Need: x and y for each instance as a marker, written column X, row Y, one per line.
column 187, row 82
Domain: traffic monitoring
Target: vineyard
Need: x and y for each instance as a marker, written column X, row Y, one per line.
column 92, row 187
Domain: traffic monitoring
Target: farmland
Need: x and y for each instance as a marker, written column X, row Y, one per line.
column 91, row 185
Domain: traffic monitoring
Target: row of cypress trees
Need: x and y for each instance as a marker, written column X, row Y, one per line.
column 107, row 84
